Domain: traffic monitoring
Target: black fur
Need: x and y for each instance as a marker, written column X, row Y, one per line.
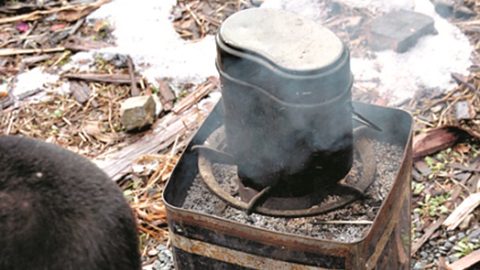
column 58, row 211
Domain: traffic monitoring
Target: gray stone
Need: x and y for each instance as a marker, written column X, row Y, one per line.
column 118, row 60
column 452, row 239
column 137, row 112
column 419, row 266
column 448, row 245
column 444, row 7
column 461, row 235
column 152, row 252
column 474, row 234
column 464, row 12
column 165, row 259
column 399, row 30
column 463, row 111
column 257, row 3
column 452, row 258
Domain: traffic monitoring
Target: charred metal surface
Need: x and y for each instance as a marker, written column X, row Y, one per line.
column 270, row 202
column 386, row 245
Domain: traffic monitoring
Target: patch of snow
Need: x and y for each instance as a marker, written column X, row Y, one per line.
column 316, row 11
column 382, row 5
column 81, row 62
column 395, row 76
column 150, row 39
column 31, row 81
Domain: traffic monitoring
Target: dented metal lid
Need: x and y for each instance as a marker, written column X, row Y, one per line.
column 304, row 44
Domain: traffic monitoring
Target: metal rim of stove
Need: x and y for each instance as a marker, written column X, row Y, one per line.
column 362, row 145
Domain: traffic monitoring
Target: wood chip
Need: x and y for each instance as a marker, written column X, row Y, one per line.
column 439, row 139
column 199, row 93
column 81, row 92
column 467, row 261
column 462, row 211
column 166, row 95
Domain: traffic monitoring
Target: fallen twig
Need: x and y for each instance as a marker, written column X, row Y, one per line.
column 107, row 78
column 462, row 81
column 133, row 82
column 67, row 13
column 14, row 51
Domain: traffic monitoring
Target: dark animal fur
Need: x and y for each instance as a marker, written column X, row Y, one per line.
column 58, row 211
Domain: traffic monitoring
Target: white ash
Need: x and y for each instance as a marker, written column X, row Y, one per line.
column 388, row 158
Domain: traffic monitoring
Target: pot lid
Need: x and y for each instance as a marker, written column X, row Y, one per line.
column 304, row 44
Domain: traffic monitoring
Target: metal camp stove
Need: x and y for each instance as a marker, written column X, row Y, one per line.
column 287, row 124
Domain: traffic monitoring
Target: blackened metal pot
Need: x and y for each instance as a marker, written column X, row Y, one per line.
column 286, row 86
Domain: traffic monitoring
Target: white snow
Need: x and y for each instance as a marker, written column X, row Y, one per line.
column 31, row 81
column 398, row 77
column 144, row 30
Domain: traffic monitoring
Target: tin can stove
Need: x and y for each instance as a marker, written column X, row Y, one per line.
column 287, row 171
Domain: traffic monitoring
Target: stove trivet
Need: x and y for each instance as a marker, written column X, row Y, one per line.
column 263, row 202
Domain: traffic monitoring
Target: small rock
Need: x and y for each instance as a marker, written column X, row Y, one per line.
column 461, row 235
column 474, row 234
column 448, row 245
column 419, row 266
column 118, row 60
column 165, row 259
column 424, row 254
column 335, row 8
column 452, row 239
column 152, row 252
column 121, row 61
column 444, row 7
column 463, row 110
column 464, row 12
column 399, row 30
column 452, row 258
column 137, row 112
column 257, row 3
